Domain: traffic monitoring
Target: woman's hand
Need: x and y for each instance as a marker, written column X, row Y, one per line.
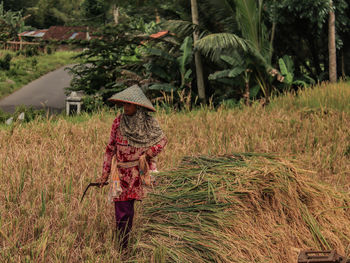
column 149, row 154
column 102, row 179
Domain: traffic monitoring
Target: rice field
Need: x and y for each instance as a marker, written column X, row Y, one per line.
column 256, row 184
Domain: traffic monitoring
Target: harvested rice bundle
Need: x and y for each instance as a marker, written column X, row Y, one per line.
column 240, row 208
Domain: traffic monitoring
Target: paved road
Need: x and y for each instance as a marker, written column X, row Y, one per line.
column 46, row 92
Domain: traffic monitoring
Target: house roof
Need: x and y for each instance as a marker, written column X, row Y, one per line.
column 35, row 33
column 71, row 32
column 66, row 33
column 59, row 33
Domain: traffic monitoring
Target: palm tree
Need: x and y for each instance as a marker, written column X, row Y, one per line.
column 198, row 60
column 227, row 26
column 331, row 45
column 251, row 38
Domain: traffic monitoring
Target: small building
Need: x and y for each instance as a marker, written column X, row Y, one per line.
column 32, row 36
column 44, row 36
column 65, row 33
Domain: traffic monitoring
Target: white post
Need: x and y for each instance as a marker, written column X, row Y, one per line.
column 73, row 99
column 78, row 107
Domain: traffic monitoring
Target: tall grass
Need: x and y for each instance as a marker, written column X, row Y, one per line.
column 322, row 97
column 286, row 190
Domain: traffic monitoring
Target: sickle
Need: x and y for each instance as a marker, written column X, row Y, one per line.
column 91, row 184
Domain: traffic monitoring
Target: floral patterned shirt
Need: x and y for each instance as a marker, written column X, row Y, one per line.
column 130, row 179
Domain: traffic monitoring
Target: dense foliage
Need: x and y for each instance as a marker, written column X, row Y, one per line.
column 249, row 48
column 103, row 60
column 11, row 23
column 302, row 33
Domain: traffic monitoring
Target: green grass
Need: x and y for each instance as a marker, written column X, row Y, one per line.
column 323, row 97
column 26, row 69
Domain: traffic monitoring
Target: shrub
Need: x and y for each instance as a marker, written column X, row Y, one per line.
column 93, row 103
column 48, row 50
column 4, row 116
column 31, row 51
column 34, row 62
column 29, row 113
column 51, row 49
column 5, row 63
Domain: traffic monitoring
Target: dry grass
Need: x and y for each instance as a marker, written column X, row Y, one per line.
column 44, row 167
column 243, row 208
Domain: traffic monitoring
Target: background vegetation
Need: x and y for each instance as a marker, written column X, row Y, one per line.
column 249, row 49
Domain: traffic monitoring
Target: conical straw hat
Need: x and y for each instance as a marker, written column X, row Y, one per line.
column 133, row 95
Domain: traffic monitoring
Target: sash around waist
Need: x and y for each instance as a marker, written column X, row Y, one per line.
column 127, row 164
column 141, row 163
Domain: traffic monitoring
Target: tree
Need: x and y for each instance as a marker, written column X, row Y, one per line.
column 95, row 11
column 198, row 60
column 302, row 33
column 250, row 38
column 11, row 23
column 18, row 5
column 48, row 13
column 212, row 17
column 343, row 36
column 103, row 60
column 331, row 45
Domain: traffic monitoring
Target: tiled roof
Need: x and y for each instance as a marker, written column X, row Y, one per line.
column 36, row 33
column 66, row 33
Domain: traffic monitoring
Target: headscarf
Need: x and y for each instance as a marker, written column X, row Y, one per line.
column 141, row 129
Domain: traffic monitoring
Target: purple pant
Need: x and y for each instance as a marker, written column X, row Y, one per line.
column 124, row 215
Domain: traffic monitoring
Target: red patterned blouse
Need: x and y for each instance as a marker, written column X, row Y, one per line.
column 130, row 179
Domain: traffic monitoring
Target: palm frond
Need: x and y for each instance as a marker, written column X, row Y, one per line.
column 221, row 13
column 186, row 56
column 162, row 86
column 212, row 45
column 249, row 14
column 180, row 27
column 60, row 15
column 158, row 72
column 248, row 19
column 160, row 53
column 228, row 73
column 235, row 60
column 260, row 58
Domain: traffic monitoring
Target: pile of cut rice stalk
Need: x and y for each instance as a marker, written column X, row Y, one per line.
column 240, row 208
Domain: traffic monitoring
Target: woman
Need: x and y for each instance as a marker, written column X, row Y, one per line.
column 135, row 140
